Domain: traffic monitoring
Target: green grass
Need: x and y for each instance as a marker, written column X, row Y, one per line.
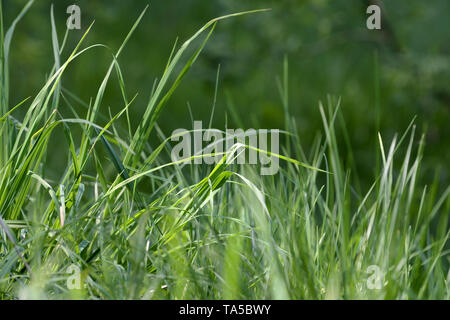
column 152, row 229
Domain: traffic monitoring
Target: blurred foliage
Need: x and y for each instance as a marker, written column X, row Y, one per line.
column 330, row 52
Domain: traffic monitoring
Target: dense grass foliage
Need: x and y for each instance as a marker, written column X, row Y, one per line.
column 155, row 229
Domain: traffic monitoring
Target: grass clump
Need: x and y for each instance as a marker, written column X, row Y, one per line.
column 156, row 229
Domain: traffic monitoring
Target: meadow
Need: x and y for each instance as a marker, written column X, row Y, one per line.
column 121, row 220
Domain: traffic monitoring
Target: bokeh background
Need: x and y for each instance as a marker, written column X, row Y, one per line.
column 403, row 70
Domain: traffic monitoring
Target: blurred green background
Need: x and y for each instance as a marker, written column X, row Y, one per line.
column 329, row 49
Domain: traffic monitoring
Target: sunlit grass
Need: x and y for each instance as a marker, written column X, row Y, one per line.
column 162, row 230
